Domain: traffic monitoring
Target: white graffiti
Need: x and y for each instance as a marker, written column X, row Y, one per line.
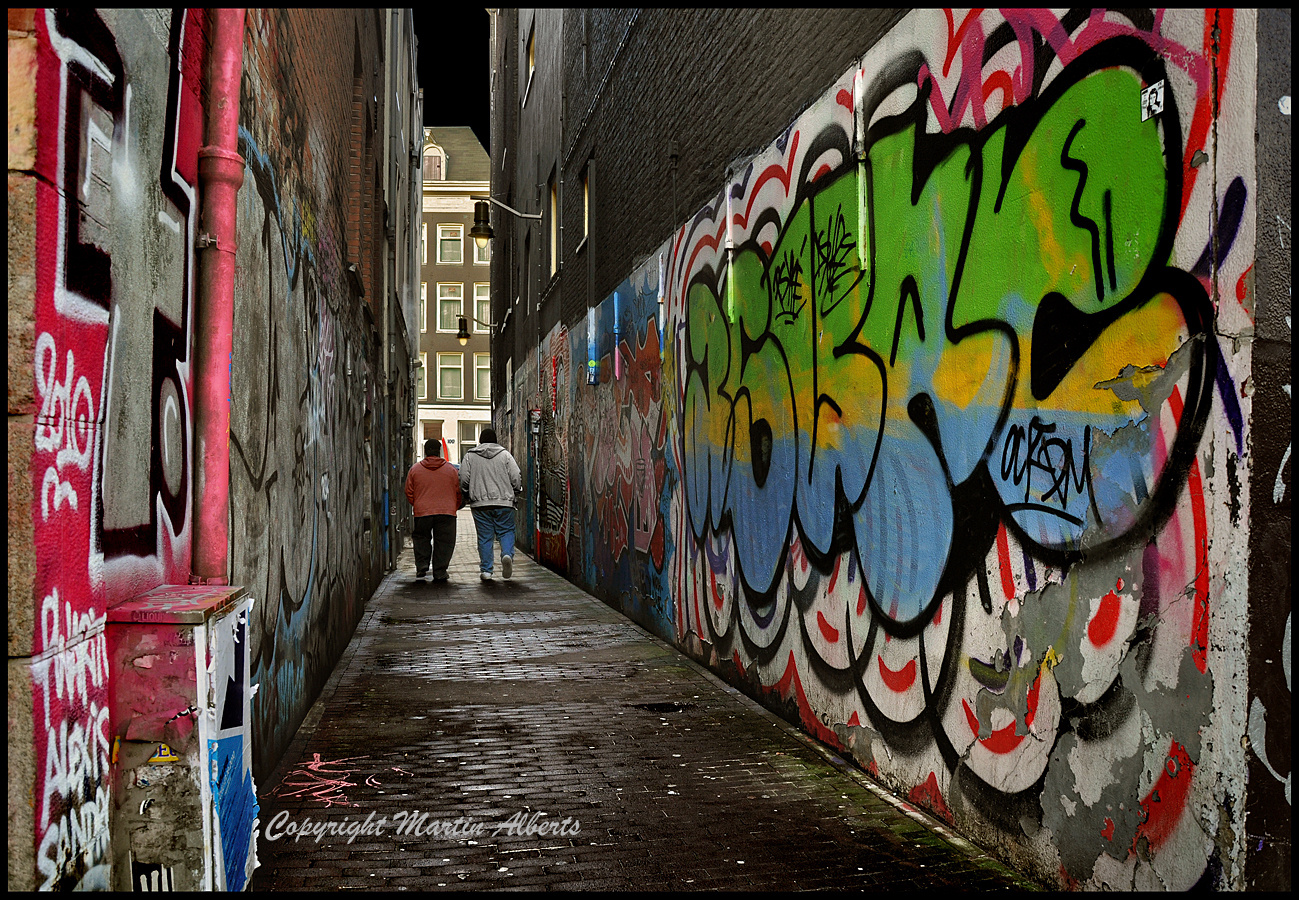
column 65, row 424
column 81, row 834
column 79, row 667
column 73, row 688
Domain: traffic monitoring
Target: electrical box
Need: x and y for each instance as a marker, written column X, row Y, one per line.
column 184, row 813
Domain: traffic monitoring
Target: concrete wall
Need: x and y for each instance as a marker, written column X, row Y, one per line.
column 932, row 428
column 106, row 112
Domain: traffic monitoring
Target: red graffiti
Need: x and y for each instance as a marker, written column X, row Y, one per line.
column 928, row 795
column 1163, row 806
column 790, row 686
column 1101, row 628
column 901, row 680
column 1004, row 740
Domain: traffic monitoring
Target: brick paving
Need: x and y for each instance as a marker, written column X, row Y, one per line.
column 481, row 704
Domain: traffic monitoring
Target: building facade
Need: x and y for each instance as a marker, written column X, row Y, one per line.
column 926, row 375
column 212, row 246
column 453, row 381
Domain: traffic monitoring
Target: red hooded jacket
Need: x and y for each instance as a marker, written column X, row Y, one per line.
column 433, row 487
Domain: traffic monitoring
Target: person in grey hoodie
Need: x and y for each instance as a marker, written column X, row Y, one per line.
column 490, row 478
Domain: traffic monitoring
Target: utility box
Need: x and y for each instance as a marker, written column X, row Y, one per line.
column 184, row 811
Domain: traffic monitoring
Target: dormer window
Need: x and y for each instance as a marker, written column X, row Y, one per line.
column 434, row 164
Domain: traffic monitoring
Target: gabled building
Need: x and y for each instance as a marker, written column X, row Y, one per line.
column 453, row 378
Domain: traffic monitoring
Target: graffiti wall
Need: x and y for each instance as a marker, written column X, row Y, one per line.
column 932, row 429
column 106, row 122
column 117, row 137
column 305, row 427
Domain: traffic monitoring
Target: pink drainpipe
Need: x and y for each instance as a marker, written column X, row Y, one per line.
column 220, row 174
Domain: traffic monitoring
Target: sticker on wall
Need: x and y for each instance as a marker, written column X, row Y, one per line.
column 164, row 754
column 1152, row 100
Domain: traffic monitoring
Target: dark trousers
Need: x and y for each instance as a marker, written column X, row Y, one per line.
column 435, row 541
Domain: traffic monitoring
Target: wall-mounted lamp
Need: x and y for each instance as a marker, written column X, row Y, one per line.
column 482, row 230
column 462, row 334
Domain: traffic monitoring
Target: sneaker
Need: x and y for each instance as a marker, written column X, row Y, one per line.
column 507, row 565
column 487, row 576
column 419, row 576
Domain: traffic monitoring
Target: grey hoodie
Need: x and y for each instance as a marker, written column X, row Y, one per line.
column 489, row 476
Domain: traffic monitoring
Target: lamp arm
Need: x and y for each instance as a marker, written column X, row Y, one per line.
column 509, row 209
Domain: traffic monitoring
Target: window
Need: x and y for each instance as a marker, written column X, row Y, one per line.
column 451, row 374
column 469, row 434
column 421, row 377
column 527, row 269
column 482, row 376
column 423, row 306
column 423, row 243
column 586, row 201
column 482, row 308
column 532, row 56
column 451, row 303
column 451, row 243
column 482, row 255
column 554, row 227
column 434, row 164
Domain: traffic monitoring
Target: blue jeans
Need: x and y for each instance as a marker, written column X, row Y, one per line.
column 493, row 522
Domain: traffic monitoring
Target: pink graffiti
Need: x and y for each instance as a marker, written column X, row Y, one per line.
column 320, row 780
column 1015, row 78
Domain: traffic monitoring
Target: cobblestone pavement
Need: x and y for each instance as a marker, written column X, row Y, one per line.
column 479, row 711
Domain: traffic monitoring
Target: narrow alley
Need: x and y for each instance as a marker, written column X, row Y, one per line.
column 473, row 712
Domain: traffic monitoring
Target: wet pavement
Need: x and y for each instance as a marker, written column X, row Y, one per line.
column 522, row 735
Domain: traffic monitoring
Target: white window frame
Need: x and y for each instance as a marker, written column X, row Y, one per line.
column 423, row 366
column 455, row 325
column 423, row 243
column 459, row 238
column 482, row 323
column 483, row 361
column 444, row 363
column 423, row 306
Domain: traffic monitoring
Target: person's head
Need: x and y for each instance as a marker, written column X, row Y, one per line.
column 432, row 447
column 487, row 436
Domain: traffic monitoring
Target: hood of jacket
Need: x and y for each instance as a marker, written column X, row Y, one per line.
column 432, row 462
column 487, row 451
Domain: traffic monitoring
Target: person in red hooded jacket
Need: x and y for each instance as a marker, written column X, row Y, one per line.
column 433, row 489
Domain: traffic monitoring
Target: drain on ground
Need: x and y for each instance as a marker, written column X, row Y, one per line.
column 663, row 707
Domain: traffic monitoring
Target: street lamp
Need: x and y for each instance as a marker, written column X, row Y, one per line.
column 482, row 230
column 462, row 334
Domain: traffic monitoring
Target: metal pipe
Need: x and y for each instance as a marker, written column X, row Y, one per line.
column 220, row 175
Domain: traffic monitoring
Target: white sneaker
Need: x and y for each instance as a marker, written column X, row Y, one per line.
column 507, row 565
column 487, row 576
